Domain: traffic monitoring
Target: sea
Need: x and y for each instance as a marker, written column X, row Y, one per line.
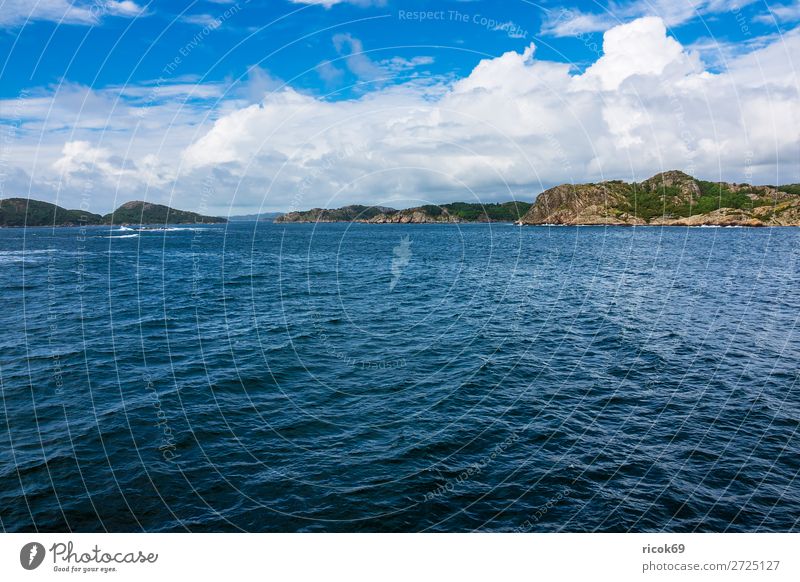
column 399, row 378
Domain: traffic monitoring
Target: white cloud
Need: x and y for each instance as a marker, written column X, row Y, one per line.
column 329, row 3
column 70, row 137
column 639, row 48
column 397, row 65
column 511, row 29
column 211, row 22
column 81, row 163
column 357, row 61
column 258, row 83
column 644, row 106
column 780, row 13
column 325, row 3
column 17, row 12
column 80, row 157
column 718, row 53
column 514, row 125
column 330, row 73
column 573, row 22
column 124, row 8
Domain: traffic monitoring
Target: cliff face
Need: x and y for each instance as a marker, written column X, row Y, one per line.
column 582, row 204
column 415, row 216
column 668, row 199
column 353, row 213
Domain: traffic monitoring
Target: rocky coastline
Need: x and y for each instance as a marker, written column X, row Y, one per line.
column 671, row 198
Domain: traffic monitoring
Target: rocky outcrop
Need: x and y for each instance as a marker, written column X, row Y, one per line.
column 453, row 212
column 670, row 198
column 784, row 213
column 602, row 203
column 682, row 186
column 352, row 213
column 414, row 216
column 720, row 217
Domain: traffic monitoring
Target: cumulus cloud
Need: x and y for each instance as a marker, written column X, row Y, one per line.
column 639, row 48
column 80, row 159
column 126, row 8
column 120, row 141
column 515, row 125
column 258, row 83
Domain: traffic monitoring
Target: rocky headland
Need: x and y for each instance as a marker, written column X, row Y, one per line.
column 668, row 199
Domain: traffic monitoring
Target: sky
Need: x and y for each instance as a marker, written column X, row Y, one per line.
column 231, row 107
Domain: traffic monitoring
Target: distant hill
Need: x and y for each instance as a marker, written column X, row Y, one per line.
column 670, row 198
column 23, row 211
column 27, row 212
column 453, row 212
column 262, row 217
column 138, row 212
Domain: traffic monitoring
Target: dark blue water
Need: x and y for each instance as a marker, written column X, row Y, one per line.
column 400, row 378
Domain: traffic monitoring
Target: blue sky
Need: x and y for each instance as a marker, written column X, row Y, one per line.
column 291, row 39
column 159, row 99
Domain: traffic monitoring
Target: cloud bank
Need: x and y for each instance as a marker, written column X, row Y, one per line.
column 515, row 125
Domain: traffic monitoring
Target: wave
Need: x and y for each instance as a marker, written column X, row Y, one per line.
column 173, row 229
column 22, row 256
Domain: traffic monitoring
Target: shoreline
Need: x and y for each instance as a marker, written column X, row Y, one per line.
column 147, row 227
column 551, row 225
column 129, row 226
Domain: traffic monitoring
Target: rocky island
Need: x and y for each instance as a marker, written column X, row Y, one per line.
column 27, row 212
column 455, row 212
column 670, row 198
